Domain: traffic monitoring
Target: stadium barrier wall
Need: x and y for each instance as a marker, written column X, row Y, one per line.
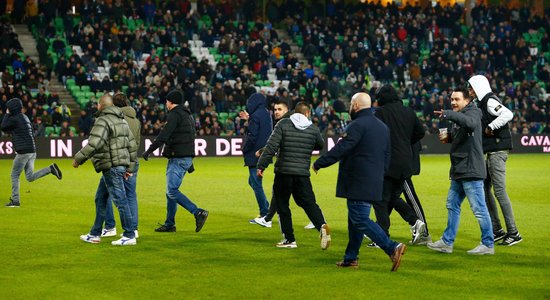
column 232, row 146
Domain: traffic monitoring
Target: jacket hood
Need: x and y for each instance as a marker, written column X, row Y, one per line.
column 112, row 110
column 387, row 94
column 481, row 86
column 300, row 121
column 15, row 105
column 128, row 111
column 255, row 102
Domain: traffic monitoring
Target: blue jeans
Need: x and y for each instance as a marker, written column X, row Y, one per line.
column 26, row 162
column 175, row 171
column 359, row 224
column 256, row 183
column 473, row 189
column 131, row 195
column 111, row 185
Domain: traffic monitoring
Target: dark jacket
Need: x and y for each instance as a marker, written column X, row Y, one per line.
column 293, row 139
column 20, row 126
column 178, row 134
column 110, row 144
column 364, row 155
column 501, row 139
column 405, row 130
column 258, row 130
column 466, row 150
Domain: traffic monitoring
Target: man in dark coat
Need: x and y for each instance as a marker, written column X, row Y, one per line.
column 178, row 138
column 258, row 131
column 405, row 130
column 19, row 125
column 293, row 140
column 467, row 173
column 364, row 155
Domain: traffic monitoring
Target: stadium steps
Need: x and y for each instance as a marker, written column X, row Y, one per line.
column 27, row 41
column 296, row 50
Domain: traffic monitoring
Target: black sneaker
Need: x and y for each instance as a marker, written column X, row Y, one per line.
column 200, row 219
column 164, row 228
column 13, row 204
column 56, row 171
column 499, row 235
column 353, row 264
column 511, row 239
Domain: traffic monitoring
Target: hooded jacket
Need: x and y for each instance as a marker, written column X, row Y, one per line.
column 134, row 124
column 20, row 126
column 110, row 144
column 467, row 160
column 405, row 130
column 495, row 116
column 258, row 130
column 293, row 139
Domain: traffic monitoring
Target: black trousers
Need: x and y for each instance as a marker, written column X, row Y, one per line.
column 272, row 208
column 299, row 187
column 391, row 199
column 413, row 201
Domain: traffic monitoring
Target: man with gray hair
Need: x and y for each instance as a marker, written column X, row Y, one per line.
column 112, row 149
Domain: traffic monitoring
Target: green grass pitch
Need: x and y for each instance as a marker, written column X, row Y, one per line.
column 41, row 255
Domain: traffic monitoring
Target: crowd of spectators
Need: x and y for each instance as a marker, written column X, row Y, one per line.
column 23, row 78
column 145, row 48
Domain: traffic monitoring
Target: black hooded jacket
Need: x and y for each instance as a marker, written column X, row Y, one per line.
column 405, row 130
column 20, row 127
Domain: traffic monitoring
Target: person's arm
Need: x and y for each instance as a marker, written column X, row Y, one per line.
column 97, row 139
column 319, row 142
column 418, row 131
column 8, row 122
column 343, row 148
column 270, row 148
column 132, row 149
column 164, row 135
column 467, row 120
column 503, row 114
column 252, row 133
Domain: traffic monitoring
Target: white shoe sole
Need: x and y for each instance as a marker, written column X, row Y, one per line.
column 325, row 237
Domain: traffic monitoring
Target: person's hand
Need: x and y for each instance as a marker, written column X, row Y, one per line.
column 489, row 131
column 314, row 169
column 75, row 164
column 260, row 173
column 128, row 175
column 145, row 155
column 244, row 115
column 258, row 153
column 7, row 111
column 439, row 114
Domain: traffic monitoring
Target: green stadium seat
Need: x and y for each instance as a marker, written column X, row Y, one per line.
column 85, row 88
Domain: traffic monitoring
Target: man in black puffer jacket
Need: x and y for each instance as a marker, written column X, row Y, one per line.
column 293, row 140
column 20, row 127
column 178, row 136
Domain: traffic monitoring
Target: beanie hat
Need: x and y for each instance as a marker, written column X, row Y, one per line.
column 175, row 96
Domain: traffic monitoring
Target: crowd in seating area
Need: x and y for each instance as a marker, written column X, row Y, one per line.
column 220, row 54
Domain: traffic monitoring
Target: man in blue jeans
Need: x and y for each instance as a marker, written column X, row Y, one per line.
column 19, row 125
column 364, row 154
column 178, row 138
column 257, row 133
column 120, row 100
column 112, row 149
column 467, row 173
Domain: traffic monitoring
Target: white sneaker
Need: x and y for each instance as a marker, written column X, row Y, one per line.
column 135, row 234
column 325, row 237
column 482, row 250
column 418, row 230
column 108, row 232
column 440, row 246
column 124, row 241
column 262, row 222
column 88, row 238
column 309, row 226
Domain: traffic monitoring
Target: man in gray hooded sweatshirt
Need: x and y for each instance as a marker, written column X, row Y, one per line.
column 497, row 142
column 293, row 140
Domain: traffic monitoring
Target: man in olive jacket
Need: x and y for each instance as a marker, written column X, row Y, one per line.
column 293, row 140
column 467, row 173
column 120, row 100
column 112, row 149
